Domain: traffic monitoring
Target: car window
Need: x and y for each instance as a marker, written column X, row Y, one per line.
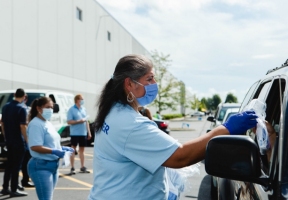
column 271, row 96
column 222, row 113
column 31, row 96
column 217, row 111
column 262, row 93
column 248, row 95
column 5, row 98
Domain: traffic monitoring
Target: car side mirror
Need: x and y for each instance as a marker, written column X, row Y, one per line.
column 234, row 157
column 55, row 108
column 211, row 119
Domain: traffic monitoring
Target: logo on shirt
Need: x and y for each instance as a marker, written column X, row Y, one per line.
column 105, row 128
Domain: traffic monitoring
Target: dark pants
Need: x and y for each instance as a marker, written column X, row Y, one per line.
column 24, row 169
column 15, row 155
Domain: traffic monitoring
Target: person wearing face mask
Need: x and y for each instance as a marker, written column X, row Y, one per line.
column 130, row 152
column 79, row 131
column 45, row 148
column 14, row 131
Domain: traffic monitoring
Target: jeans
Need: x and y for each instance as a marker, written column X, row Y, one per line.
column 15, row 156
column 44, row 174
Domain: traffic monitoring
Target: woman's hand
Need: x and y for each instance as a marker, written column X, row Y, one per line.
column 241, row 122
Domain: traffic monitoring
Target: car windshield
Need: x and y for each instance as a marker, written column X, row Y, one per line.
column 32, row 96
column 7, row 97
column 222, row 113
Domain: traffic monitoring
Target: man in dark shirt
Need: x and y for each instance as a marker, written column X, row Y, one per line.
column 14, row 130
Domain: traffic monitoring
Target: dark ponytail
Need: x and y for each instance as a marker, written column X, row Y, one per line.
column 37, row 103
column 132, row 66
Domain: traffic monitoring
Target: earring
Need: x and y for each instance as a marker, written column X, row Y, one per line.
column 130, row 99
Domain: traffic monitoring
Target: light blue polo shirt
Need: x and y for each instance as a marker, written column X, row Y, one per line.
column 43, row 133
column 75, row 113
column 128, row 154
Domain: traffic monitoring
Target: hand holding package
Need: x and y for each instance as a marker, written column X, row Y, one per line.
column 241, row 122
column 66, row 159
column 59, row 153
column 64, row 148
column 259, row 108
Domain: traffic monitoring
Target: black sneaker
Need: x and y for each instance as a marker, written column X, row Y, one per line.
column 84, row 170
column 20, row 187
column 18, row 194
column 5, row 191
column 72, row 171
column 28, row 185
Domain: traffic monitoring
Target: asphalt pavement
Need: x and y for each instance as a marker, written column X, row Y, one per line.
column 185, row 129
column 77, row 187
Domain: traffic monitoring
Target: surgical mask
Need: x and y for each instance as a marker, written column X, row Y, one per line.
column 82, row 102
column 151, row 92
column 47, row 113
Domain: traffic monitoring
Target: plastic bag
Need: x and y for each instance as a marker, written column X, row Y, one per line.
column 261, row 133
column 66, row 159
column 178, row 179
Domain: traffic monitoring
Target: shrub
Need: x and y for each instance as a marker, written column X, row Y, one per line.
column 171, row 116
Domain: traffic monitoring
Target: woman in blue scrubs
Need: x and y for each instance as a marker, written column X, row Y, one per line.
column 130, row 152
column 45, row 148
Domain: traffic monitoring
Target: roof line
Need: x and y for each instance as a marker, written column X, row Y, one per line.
column 121, row 25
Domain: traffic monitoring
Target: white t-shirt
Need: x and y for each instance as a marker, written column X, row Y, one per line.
column 128, row 154
column 43, row 133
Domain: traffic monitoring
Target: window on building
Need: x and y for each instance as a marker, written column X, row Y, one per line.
column 108, row 36
column 79, row 14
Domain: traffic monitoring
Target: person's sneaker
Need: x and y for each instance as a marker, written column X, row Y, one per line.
column 28, row 184
column 84, row 170
column 5, row 191
column 20, row 187
column 18, row 193
column 72, row 171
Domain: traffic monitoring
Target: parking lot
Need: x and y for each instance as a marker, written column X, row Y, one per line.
column 68, row 187
column 78, row 186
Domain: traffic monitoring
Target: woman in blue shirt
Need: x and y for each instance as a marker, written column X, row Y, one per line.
column 45, row 148
column 130, row 152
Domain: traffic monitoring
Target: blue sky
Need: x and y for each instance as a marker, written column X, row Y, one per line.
column 216, row 46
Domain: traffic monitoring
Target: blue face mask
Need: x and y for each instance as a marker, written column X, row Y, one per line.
column 47, row 113
column 151, row 92
column 82, row 102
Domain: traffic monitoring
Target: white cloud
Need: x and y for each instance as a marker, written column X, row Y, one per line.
column 222, row 44
column 265, row 56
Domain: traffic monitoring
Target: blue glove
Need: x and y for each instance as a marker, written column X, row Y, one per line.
column 59, row 153
column 241, row 122
column 67, row 149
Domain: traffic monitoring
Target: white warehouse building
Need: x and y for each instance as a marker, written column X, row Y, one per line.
column 65, row 45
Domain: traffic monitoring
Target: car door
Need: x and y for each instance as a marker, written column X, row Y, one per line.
column 271, row 92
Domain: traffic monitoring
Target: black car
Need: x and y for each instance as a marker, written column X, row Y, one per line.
column 240, row 169
column 162, row 125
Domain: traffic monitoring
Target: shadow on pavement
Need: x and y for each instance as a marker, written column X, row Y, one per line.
column 204, row 189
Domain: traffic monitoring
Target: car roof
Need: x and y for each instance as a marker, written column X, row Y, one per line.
column 232, row 110
column 230, row 104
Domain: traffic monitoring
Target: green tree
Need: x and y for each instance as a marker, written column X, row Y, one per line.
column 195, row 103
column 216, row 100
column 168, row 86
column 182, row 97
column 230, row 98
column 209, row 104
column 203, row 103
